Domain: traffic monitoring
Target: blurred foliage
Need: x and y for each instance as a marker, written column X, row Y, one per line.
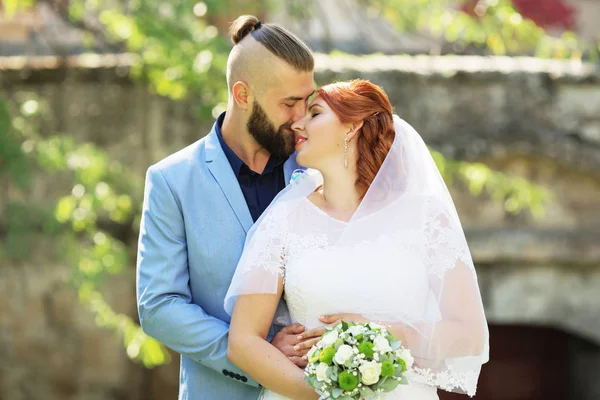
column 12, row 160
column 181, row 54
column 101, row 198
column 179, row 51
column 515, row 193
column 11, row 7
column 493, row 26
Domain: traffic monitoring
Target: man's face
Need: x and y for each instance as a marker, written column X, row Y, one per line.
column 274, row 113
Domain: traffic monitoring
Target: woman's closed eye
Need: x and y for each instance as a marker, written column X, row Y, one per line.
column 314, row 114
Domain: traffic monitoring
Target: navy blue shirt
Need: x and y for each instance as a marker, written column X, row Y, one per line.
column 259, row 189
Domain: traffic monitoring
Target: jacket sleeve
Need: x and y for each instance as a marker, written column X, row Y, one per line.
column 164, row 300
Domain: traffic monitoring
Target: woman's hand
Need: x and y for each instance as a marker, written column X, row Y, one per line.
column 335, row 319
column 309, row 338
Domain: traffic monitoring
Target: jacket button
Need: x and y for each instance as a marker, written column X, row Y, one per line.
column 225, row 372
column 238, row 377
column 231, row 374
column 244, row 379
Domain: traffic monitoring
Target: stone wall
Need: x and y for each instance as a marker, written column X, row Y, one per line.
column 532, row 118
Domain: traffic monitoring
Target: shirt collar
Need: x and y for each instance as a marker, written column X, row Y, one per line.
column 235, row 162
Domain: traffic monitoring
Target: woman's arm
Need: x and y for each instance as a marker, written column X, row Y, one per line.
column 249, row 350
column 462, row 330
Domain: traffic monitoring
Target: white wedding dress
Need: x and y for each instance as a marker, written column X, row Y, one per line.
column 402, row 258
column 316, row 284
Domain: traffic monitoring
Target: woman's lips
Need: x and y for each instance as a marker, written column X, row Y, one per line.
column 300, row 140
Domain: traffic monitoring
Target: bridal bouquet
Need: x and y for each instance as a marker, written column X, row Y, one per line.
column 355, row 361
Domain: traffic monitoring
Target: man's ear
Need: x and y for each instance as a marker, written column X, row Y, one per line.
column 355, row 128
column 241, row 94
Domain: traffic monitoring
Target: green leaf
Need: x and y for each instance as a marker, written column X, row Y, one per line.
column 389, row 384
column 380, row 382
column 336, row 392
column 332, row 373
column 367, row 392
column 399, row 370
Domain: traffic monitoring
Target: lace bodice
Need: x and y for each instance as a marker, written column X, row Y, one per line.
column 314, row 273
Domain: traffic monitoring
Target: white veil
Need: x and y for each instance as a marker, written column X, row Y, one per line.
column 408, row 201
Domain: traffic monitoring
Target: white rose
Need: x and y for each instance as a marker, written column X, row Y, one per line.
column 381, row 344
column 343, row 354
column 370, row 372
column 355, row 330
column 405, row 355
column 329, row 339
column 322, row 372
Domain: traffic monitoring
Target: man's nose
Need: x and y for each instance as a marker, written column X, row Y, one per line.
column 300, row 110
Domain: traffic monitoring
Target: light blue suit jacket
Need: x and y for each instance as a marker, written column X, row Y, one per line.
column 194, row 224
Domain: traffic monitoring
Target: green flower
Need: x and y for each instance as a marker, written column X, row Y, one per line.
column 366, row 348
column 402, row 364
column 387, row 369
column 326, row 355
column 347, row 381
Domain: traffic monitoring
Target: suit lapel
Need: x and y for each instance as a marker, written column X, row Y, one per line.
column 221, row 170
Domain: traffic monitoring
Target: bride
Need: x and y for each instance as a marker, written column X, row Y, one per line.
column 368, row 233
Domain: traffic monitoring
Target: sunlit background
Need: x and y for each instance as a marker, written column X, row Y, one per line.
column 92, row 92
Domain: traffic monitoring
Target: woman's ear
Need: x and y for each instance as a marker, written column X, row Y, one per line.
column 355, row 128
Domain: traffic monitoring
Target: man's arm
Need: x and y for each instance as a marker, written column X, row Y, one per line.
column 164, row 298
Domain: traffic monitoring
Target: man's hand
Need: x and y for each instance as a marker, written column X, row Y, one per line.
column 286, row 339
column 295, row 343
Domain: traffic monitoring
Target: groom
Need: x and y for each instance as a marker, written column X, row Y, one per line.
column 200, row 202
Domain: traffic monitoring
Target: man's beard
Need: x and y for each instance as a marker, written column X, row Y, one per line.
column 279, row 142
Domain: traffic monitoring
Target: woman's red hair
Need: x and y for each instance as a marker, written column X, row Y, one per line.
column 362, row 101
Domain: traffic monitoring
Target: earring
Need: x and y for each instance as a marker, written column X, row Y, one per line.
column 346, row 152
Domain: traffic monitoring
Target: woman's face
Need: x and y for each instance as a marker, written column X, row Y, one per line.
column 320, row 137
